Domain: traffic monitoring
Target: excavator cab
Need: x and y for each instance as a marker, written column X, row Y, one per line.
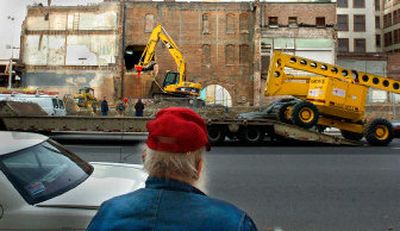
column 171, row 77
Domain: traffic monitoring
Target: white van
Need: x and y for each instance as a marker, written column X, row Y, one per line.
column 52, row 105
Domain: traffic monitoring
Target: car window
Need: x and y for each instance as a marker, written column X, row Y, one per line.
column 61, row 103
column 55, row 103
column 44, row 171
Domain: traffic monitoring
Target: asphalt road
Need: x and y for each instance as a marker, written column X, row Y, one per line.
column 295, row 187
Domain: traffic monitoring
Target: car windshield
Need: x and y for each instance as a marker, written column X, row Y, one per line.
column 44, row 171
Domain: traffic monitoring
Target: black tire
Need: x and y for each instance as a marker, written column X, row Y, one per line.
column 252, row 134
column 351, row 135
column 216, row 134
column 282, row 114
column 305, row 114
column 379, row 132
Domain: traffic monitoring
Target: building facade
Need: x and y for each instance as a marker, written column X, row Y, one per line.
column 391, row 25
column 66, row 48
column 224, row 44
column 358, row 24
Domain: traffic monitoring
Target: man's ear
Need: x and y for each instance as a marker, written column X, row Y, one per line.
column 143, row 155
column 199, row 167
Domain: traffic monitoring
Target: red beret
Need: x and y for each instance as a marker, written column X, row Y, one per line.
column 178, row 130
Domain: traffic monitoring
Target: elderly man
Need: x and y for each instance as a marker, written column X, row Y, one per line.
column 173, row 159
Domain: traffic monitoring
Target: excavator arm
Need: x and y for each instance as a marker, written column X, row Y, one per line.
column 159, row 33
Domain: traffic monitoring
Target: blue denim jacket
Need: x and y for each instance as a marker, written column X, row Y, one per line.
column 166, row 204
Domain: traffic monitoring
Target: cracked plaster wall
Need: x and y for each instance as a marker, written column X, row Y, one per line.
column 73, row 48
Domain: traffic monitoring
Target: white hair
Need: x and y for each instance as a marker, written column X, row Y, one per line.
column 169, row 165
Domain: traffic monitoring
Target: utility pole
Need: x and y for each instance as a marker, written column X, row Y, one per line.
column 12, row 53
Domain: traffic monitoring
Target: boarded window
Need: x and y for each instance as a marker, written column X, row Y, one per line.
column 359, row 45
column 292, row 21
column 343, row 45
column 244, row 22
column 320, row 21
column 206, row 56
column 273, row 21
column 244, row 54
column 149, row 23
column 359, row 3
column 229, row 54
column 343, row 22
column 230, row 23
column 342, row 3
column 359, row 22
column 205, row 24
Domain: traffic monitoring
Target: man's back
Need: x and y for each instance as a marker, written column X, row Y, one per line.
column 169, row 205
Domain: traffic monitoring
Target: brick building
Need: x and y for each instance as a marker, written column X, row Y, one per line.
column 223, row 43
column 216, row 39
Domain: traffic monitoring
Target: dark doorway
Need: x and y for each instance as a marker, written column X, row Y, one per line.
column 132, row 56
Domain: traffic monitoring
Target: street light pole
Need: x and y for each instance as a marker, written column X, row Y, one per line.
column 12, row 54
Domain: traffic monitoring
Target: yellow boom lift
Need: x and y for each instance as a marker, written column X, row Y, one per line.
column 174, row 83
column 327, row 95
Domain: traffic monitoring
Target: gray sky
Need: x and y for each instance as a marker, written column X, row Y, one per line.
column 10, row 30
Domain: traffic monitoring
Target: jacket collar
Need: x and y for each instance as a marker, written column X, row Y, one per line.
column 170, row 184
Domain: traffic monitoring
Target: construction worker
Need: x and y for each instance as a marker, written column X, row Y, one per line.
column 104, row 106
column 170, row 201
column 139, row 108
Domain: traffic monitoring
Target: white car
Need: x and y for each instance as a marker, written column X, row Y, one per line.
column 43, row 186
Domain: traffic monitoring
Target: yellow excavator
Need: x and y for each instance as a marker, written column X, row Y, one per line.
column 327, row 95
column 85, row 98
column 174, row 83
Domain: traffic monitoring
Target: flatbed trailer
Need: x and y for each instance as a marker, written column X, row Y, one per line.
column 255, row 131
column 219, row 129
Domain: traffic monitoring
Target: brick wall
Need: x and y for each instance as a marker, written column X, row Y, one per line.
column 393, row 66
column 184, row 23
column 306, row 13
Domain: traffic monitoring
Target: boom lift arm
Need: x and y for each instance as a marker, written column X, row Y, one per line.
column 329, row 96
column 281, row 61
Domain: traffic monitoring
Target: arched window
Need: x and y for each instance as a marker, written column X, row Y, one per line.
column 205, row 24
column 149, row 23
column 230, row 23
column 230, row 54
column 244, row 22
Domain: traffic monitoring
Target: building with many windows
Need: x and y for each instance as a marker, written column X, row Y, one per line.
column 391, row 25
column 358, row 32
